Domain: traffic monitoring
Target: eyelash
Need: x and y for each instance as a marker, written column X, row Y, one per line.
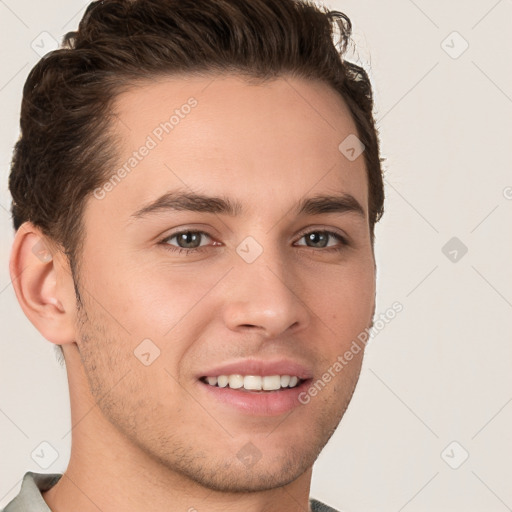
column 180, row 250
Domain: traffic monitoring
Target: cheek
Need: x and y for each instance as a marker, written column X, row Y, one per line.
column 146, row 299
column 345, row 311
column 344, row 297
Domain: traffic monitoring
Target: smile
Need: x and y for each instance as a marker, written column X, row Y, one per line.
column 255, row 387
column 253, row 382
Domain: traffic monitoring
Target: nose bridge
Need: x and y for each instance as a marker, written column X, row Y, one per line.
column 264, row 292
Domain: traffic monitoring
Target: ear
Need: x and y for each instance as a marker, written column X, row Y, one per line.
column 43, row 284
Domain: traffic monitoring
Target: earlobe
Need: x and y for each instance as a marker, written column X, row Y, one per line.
column 43, row 284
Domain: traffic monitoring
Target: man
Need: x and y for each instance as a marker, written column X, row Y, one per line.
column 195, row 191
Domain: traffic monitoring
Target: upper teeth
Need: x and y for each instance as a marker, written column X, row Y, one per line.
column 254, row 382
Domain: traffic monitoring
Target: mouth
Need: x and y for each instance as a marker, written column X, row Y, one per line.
column 257, row 388
column 254, row 383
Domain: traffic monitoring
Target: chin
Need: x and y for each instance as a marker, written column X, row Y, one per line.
column 238, row 477
column 250, row 463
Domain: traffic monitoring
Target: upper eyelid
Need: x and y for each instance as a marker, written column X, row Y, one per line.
column 188, row 231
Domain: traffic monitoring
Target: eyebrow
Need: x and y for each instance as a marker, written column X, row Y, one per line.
column 194, row 202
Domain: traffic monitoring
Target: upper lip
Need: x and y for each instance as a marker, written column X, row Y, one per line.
column 260, row 367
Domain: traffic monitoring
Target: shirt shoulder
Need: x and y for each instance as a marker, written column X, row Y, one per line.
column 318, row 506
column 30, row 498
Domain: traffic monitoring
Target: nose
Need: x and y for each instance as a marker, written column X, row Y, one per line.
column 267, row 296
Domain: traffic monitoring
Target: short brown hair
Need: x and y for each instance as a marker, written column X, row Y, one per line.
column 65, row 150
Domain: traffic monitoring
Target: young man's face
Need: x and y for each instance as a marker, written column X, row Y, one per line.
column 268, row 293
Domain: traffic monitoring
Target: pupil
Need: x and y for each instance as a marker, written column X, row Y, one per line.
column 316, row 237
column 189, row 238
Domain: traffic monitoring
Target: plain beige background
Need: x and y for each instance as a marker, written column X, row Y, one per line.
column 436, row 385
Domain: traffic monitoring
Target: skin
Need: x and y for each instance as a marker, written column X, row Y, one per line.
column 146, row 437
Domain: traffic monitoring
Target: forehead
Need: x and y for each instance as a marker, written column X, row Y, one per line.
column 227, row 136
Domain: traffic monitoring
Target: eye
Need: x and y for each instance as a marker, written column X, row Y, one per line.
column 188, row 241
column 319, row 239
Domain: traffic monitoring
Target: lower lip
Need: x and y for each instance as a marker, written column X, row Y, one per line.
column 264, row 403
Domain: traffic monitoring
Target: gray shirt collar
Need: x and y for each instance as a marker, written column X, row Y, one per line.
column 30, row 497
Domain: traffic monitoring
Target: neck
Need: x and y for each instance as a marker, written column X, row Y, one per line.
column 108, row 472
